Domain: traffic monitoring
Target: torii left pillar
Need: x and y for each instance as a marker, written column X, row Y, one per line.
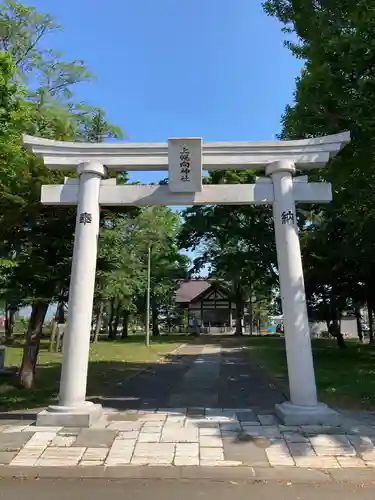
column 73, row 410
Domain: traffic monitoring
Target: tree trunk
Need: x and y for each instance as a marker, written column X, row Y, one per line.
column 60, row 337
column 370, row 323
column 98, row 323
column 251, row 318
column 32, row 342
column 358, row 319
column 155, row 320
column 155, row 327
column 125, row 324
column 334, row 330
column 116, row 320
column 340, row 340
column 60, row 312
column 52, row 340
column 239, row 317
column 9, row 323
column 58, row 319
column 6, row 321
column 111, row 333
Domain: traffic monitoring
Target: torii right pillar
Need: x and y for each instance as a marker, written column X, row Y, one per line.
column 303, row 407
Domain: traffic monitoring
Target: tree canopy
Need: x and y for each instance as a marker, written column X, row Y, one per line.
column 335, row 93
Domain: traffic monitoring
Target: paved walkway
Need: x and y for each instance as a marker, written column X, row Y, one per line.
column 198, row 376
column 206, row 406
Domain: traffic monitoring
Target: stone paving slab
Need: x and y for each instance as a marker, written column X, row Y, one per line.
column 14, row 441
column 248, row 453
column 179, row 437
column 95, row 438
column 6, row 457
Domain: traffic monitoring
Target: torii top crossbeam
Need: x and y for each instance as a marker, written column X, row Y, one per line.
column 305, row 153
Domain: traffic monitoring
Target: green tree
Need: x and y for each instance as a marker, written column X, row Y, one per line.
column 157, row 229
column 120, row 275
column 37, row 239
column 335, row 92
column 21, row 30
column 122, row 267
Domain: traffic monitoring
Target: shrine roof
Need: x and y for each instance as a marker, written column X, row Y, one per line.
column 190, row 290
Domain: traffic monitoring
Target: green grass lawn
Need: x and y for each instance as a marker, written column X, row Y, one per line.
column 111, row 363
column 345, row 378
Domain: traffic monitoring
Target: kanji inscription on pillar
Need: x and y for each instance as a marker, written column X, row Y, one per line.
column 185, row 165
column 287, row 217
column 85, row 218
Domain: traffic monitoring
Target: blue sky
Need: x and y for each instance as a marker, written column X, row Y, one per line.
column 178, row 68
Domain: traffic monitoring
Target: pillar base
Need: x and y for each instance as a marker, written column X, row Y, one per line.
column 319, row 414
column 67, row 416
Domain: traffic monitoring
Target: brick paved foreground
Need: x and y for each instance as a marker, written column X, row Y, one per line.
column 196, row 427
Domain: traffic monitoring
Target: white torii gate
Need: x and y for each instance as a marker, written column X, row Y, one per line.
column 184, row 159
